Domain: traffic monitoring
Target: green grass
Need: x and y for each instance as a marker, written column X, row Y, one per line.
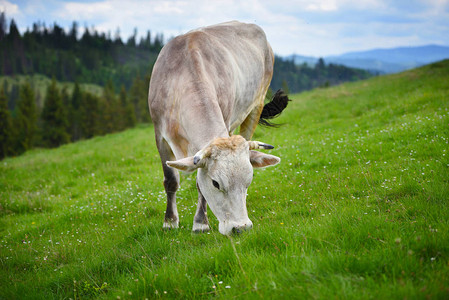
column 357, row 208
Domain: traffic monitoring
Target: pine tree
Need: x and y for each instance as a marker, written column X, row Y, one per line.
column 110, row 109
column 3, row 25
column 285, row 87
column 5, row 127
column 132, row 39
column 16, row 55
column 13, row 34
column 54, row 118
column 134, row 97
column 138, row 96
column 65, row 97
column 66, row 103
column 128, row 116
column 13, row 96
column 74, row 113
column 89, row 115
column 26, row 120
column 73, row 33
column 320, row 65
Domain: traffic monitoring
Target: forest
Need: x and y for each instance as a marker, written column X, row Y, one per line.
column 61, row 114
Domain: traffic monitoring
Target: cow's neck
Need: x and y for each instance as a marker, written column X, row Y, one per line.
column 208, row 124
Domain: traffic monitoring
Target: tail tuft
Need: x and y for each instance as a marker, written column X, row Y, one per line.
column 274, row 108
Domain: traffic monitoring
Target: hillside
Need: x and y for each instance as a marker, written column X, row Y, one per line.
column 40, row 84
column 357, row 208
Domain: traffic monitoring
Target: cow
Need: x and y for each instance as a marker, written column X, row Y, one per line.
column 204, row 85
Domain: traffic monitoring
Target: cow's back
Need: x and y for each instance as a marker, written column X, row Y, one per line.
column 209, row 77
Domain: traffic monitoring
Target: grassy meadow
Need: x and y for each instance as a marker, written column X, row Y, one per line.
column 357, row 208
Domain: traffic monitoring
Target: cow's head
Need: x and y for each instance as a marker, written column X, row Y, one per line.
column 225, row 171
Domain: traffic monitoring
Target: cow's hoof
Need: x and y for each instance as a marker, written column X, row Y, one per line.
column 198, row 227
column 170, row 225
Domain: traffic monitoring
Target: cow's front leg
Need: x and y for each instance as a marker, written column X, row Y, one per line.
column 200, row 222
column 171, row 183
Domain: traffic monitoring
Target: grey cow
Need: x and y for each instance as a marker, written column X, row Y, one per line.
column 204, row 85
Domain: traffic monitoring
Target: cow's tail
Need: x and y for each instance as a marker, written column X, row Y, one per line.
column 274, row 108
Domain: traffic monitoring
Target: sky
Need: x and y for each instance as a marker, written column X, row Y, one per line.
column 303, row 27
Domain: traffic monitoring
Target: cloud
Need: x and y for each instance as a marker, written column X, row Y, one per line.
column 328, row 5
column 86, row 11
column 310, row 27
column 170, row 17
column 9, row 8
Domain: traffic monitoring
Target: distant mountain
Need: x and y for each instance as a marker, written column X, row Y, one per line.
column 384, row 60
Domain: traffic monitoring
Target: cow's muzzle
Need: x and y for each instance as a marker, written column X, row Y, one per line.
column 227, row 228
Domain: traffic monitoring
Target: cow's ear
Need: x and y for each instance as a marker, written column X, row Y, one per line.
column 261, row 160
column 184, row 164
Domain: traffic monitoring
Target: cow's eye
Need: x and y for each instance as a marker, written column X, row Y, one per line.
column 215, row 184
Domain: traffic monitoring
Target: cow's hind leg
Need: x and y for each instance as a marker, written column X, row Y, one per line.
column 200, row 222
column 171, row 184
column 250, row 123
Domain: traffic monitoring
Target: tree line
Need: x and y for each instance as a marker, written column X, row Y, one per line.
column 89, row 56
column 297, row 78
column 68, row 116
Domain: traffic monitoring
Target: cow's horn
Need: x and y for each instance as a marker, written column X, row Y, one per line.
column 201, row 154
column 196, row 159
column 254, row 145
